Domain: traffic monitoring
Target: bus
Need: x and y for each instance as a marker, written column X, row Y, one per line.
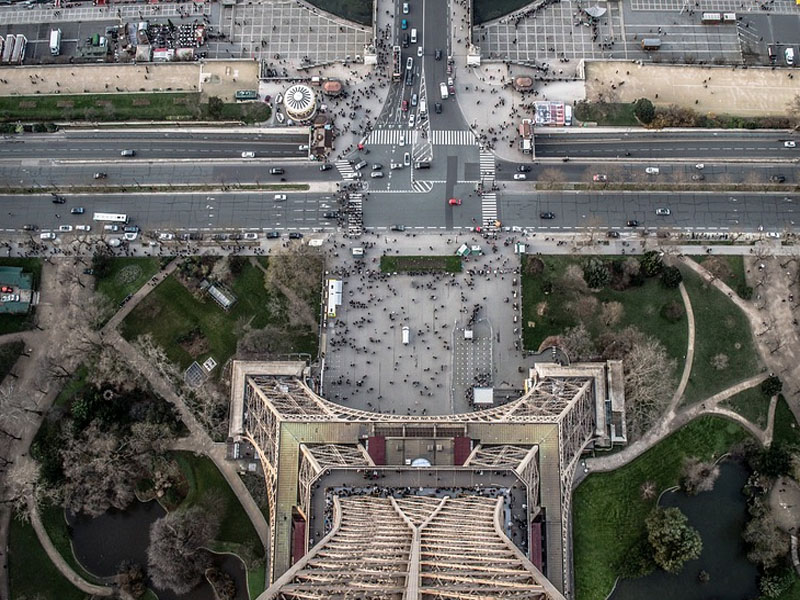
column 241, row 95
column 396, row 63
column 110, row 217
column 710, row 18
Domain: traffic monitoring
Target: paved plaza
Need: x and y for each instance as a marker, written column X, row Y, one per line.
column 368, row 367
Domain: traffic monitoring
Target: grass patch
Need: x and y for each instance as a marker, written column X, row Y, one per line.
column 203, row 477
column 123, row 107
column 752, row 404
column 58, row 532
column 256, row 580
column 359, row 11
column 31, row 574
column 728, row 268
column 720, row 329
column 786, row 430
column 486, row 10
column 126, row 276
column 609, row 511
column 14, row 323
column 9, row 353
column 74, row 386
column 546, row 314
column 606, row 113
column 428, row 264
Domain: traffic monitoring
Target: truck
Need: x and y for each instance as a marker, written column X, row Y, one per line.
column 55, row 42
column 443, row 90
column 651, row 43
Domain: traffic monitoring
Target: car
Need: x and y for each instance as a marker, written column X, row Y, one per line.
column 130, row 237
column 276, row 171
column 278, row 98
column 523, row 168
column 115, row 243
column 113, row 228
column 331, row 214
column 632, row 223
column 273, row 235
column 398, row 227
column 777, row 178
column 100, row 175
column 419, row 51
column 78, row 210
column 404, row 24
column 405, row 8
column 663, row 212
column 58, row 199
column 700, row 166
column 219, row 237
column 295, row 235
column 438, row 54
column 131, row 229
column 402, row 141
column 438, row 108
column 29, row 228
column 128, row 153
column 405, row 40
column 404, row 106
column 612, row 234
column 166, row 237
column 279, row 197
column 599, row 177
column 47, row 236
column 413, row 99
column 520, row 176
column 411, row 120
column 83, row 227
column 65, row 228
column 789, row 144
column 652, row 170
column 409, row 63
column 88, row 271
column 377, row 166
column 407, row 159
column 248, row 154
column 6, row 289
column 376, row 174
column 360, row 165
column 325, row 167
column 698, row 177
column 547, row 215
column 454, row 202
column 302, row 147
column 251, row 235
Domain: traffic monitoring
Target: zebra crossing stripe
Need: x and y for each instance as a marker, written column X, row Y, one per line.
column 458, row 137
column 391, row 137
column 489, row 208
column 345, row 168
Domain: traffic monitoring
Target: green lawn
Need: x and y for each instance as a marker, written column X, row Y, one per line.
column 786, row 429
column 127, row 275
column 9, row 353
column 642, row 308
column 609, row 513
column 14, row 323
column 171, row 311
column 122, row 107
column 58, row 532
column 31, row 574
column 429, row 264
column 606, row 113
column 720, row 328
column 752, row 404
column 729, row 268
column 359, row 11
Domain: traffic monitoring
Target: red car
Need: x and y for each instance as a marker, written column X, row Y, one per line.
column 600, row 178
column 454, row 202
column 6, row 289
column 405, row 105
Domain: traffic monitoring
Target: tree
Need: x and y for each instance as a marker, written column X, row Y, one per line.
column 644, row 110
column 648, row 383
column 651, row 263
column 215, row 107
column 771, row 386
column 768, row 544
column 583, row 307
column 774, row 583
column 572, row 280
column 131, row 579
column 611, row 313
column 671, row 277
column 577, row 343
column 175, row 557
column 744, row 291
column 673, row 540
column 699, row 476
column 672, row 311
column 596, row 273
column 774, row 461
column 720, row 361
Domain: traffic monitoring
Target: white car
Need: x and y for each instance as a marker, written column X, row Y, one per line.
column 407, row 159
column 130, row 236
column 248, row 154
column 47, row 236
column 419, row 51
column 65, row 228
column 652, row 170
column 405, row 8
column 663, row 212
column 700, row 166
column 279, row 197
column 83, row 227
column 165, row 237
column 251, row 236
column 520, row 176
column 789, row 144
column 411, row 120
column 302, row 147
column 402, row 140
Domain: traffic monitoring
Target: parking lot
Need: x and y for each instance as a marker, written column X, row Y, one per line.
column 369, row 367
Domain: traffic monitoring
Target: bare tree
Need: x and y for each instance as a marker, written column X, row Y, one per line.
column 699, row 476
column 611, row 313
column 577, row 343
column 648, row 384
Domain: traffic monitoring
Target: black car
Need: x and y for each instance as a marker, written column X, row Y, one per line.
column 777, row 178
column 377, row 166
column 325, row 167
column 273, row 235
column 438, row 108
column 438, row 54
column 276, row 171
column 88, row 271
column 295, row 235
column 547, row 215
column 523, row 168
column 58, row 199
column 331, row 215
column 613, row 234
column 398, row 227
column 632, row 223
column 29, row 227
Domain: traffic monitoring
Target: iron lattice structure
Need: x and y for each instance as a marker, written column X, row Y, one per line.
column 298, row 435
column 414, row 547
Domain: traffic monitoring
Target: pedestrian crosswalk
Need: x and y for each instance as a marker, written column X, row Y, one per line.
column 458, row 137
column 355, row 216
column 392, row 137
column 488, row 209
column 487, row 165
column 345, row 169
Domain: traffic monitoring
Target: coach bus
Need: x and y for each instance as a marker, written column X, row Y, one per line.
column 110, row 217
column 711, row 18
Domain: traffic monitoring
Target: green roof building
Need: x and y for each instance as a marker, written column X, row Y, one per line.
column 16, row 291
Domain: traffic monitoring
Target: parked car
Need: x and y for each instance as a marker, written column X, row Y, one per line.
column 276, row 171
column 404, row 24
column 632, row 223
column 166, row 237
column 248, row 154
column 663, row 212
column 700, row 166
column 520, row 176
column 523, row 168
column 547, row 215
column 698, row 177
column 65, row 228
column 83, row 227
column 128, row 153
column 302, row 147
column 273, row 235
column 652, row 170
column 279, row 197
column 325, row 167
column 295, row 235
column 376, row 174
column 777, row 178
column 599, row 177
column 29, row 228
column 331, row 214
column 100, row 175
column 250, row 236
column 612, row 234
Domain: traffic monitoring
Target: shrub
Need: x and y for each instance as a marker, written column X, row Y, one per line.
column 673, row 311
column 644, row 110
column 771, row 385
column 671, row 277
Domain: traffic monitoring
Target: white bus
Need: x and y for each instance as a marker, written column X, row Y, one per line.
column 110, row 217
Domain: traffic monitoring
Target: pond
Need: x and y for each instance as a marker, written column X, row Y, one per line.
column 102, row 543
column 720, row 517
